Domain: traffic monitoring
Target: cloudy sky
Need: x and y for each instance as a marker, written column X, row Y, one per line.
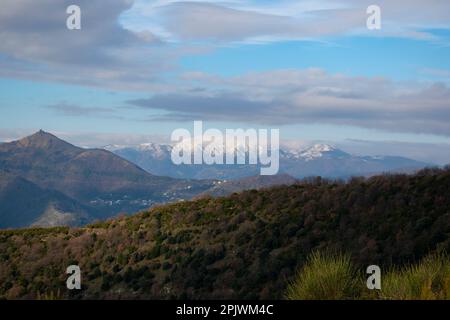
column 139, row 69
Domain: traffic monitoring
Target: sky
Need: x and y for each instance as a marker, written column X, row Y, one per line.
column 137, row 70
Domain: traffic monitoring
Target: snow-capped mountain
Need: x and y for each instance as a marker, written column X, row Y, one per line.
column 151, row 146
column 314, row 152
column 313, row 160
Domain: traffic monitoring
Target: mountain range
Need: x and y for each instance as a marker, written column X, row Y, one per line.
column 315, row 160
column 46, row 181
column 46, row 176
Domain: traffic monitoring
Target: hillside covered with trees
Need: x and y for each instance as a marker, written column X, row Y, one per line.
column 245, row 246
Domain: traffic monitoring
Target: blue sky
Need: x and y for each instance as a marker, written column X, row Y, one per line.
column 401, row 59
column 139, row 69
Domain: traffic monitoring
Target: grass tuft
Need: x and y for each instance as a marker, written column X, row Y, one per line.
column 428, row 280
column 328, row 276
column 325, row 276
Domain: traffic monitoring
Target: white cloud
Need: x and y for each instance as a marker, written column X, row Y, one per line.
column 36, row 44
column 310, row 96
column 234, row 21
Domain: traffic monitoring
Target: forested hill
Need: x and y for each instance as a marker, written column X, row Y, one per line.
column 247, row 245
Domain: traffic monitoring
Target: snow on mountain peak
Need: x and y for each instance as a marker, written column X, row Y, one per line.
column 162, row 151
column 151, row 146
column 113, row 147
column 316, row 151
column 310, row 153
column 321, row 148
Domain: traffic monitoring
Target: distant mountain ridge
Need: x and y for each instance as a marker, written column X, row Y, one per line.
column 316, row 160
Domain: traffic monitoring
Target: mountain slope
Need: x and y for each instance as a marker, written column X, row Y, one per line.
column 97, row 178
column 22, row 203
column 246, row 246
column 53, row 163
